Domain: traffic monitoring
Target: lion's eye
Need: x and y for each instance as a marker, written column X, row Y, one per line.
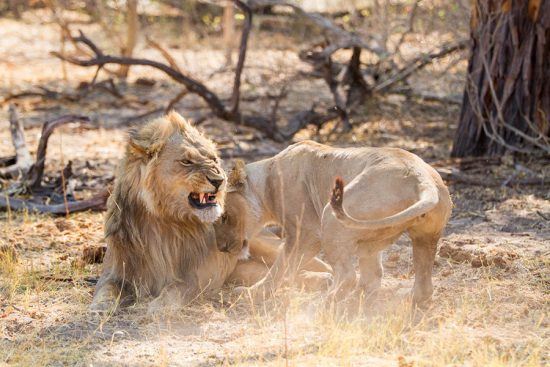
column 186, row 162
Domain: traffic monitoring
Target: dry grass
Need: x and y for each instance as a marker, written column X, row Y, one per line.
column 482, row 317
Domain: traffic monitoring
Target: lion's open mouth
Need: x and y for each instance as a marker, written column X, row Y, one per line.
column 202, row 200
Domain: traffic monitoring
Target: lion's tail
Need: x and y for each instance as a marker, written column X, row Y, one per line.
column 429, row 198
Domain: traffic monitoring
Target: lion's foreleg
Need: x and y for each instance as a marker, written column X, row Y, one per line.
column 248, row 273
column 295, row 255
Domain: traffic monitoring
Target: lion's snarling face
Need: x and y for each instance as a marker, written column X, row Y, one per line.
column 180, row 170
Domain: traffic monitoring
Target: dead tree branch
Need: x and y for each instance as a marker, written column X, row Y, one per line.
column 339, row 38
column 175, row 100
column 33, row 173
column 99, row 59
column 347, row 88
column 419, row 63
column 235, row 96
column 457, row 176
column 231, row 113
column 167, row 56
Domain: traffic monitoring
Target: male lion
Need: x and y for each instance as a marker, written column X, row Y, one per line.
column 170, row 187
column 391, row 190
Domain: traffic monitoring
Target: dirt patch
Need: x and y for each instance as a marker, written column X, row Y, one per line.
column 475, row 256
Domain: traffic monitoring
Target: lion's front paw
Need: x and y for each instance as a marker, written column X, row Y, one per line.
column 102, row 308
column 104, row 305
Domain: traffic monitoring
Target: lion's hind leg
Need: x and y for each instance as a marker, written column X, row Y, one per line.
column 370, row 270
column 339, row 245
column 424, row 251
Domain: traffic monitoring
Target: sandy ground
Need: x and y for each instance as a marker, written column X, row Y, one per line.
column 491, row 278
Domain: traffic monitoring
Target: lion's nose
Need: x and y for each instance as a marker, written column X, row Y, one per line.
column 215, row 182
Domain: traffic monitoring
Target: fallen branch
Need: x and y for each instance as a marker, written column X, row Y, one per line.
column 96, row 203
column 100, row 60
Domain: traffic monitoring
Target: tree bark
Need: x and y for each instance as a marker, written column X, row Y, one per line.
column 506, row 101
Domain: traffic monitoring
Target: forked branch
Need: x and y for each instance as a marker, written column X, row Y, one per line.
column 36, row 172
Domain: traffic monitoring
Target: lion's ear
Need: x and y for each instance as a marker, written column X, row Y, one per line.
column 237, row 176
column 144, row 143
column 136, row 145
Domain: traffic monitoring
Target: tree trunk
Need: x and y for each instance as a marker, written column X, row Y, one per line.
column 506, row 103
column 228, row 31
column 132, row 27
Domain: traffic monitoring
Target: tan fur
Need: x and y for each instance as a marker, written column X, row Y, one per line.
column 264, row 250
column 158, row 244
column 392, row 191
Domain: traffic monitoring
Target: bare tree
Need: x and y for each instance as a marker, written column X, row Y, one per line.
column 506, row 103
